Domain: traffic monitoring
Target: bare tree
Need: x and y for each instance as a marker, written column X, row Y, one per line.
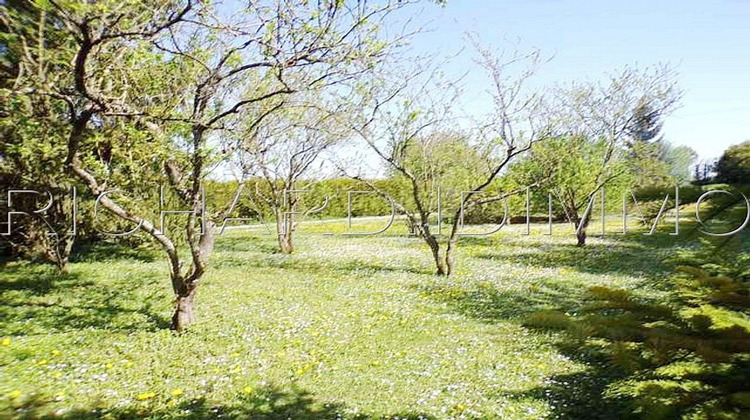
column 283, row 151
column 603, row 115
column 405, row 124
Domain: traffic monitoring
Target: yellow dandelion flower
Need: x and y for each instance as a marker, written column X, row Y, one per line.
column 237, row 370
column 5, row 342
column 235, row 354
column 459, row 407
column 171, row 403
column 145, row 396
column 109, row 366
column 129, row 364
column 57, row 374
column 248, row 390
column 15, row 393
column 55, row 352
column 43, row 362
column 177, row 392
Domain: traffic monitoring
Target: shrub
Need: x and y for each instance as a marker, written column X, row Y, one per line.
column 686, row 356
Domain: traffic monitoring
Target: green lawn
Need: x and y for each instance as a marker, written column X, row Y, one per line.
column 348, row 327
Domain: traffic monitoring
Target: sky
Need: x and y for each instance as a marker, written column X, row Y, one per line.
column 706, row 42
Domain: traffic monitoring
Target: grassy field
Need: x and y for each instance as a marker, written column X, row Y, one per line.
column 347, row 327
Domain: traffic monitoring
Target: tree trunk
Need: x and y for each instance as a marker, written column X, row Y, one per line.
column 285, row 243
column 284, row 226
column 413, row 227
column 184, row 313
column 581, row 230
column 429, row 238
column 581, row 238
column 64, row 257
column 57, row 251
column 441, row 270
column 449, row 256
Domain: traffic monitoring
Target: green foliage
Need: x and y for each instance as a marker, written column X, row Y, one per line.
column 572, row 176
column 661, row 163
column 441, row 159
column 654, row 160
column 734, row 165
column 679, row 160
column 648, row 165
column 32, row 150
column 687, row 356
column 688, row 193
column 650, row 200
column 252, row 205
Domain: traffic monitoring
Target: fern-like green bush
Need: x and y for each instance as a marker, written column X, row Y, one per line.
column 684, row 356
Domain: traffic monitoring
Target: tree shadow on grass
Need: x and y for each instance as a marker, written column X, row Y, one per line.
column 35, row 279
column 247, row 243
column 579, row 395
column 490, row 304
column 634, row 260
column 103, row 251
column 267, row 403
column 374, row 268
column 570, row 396
column 310, row 266
column 64, row 302
column 60, row 318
